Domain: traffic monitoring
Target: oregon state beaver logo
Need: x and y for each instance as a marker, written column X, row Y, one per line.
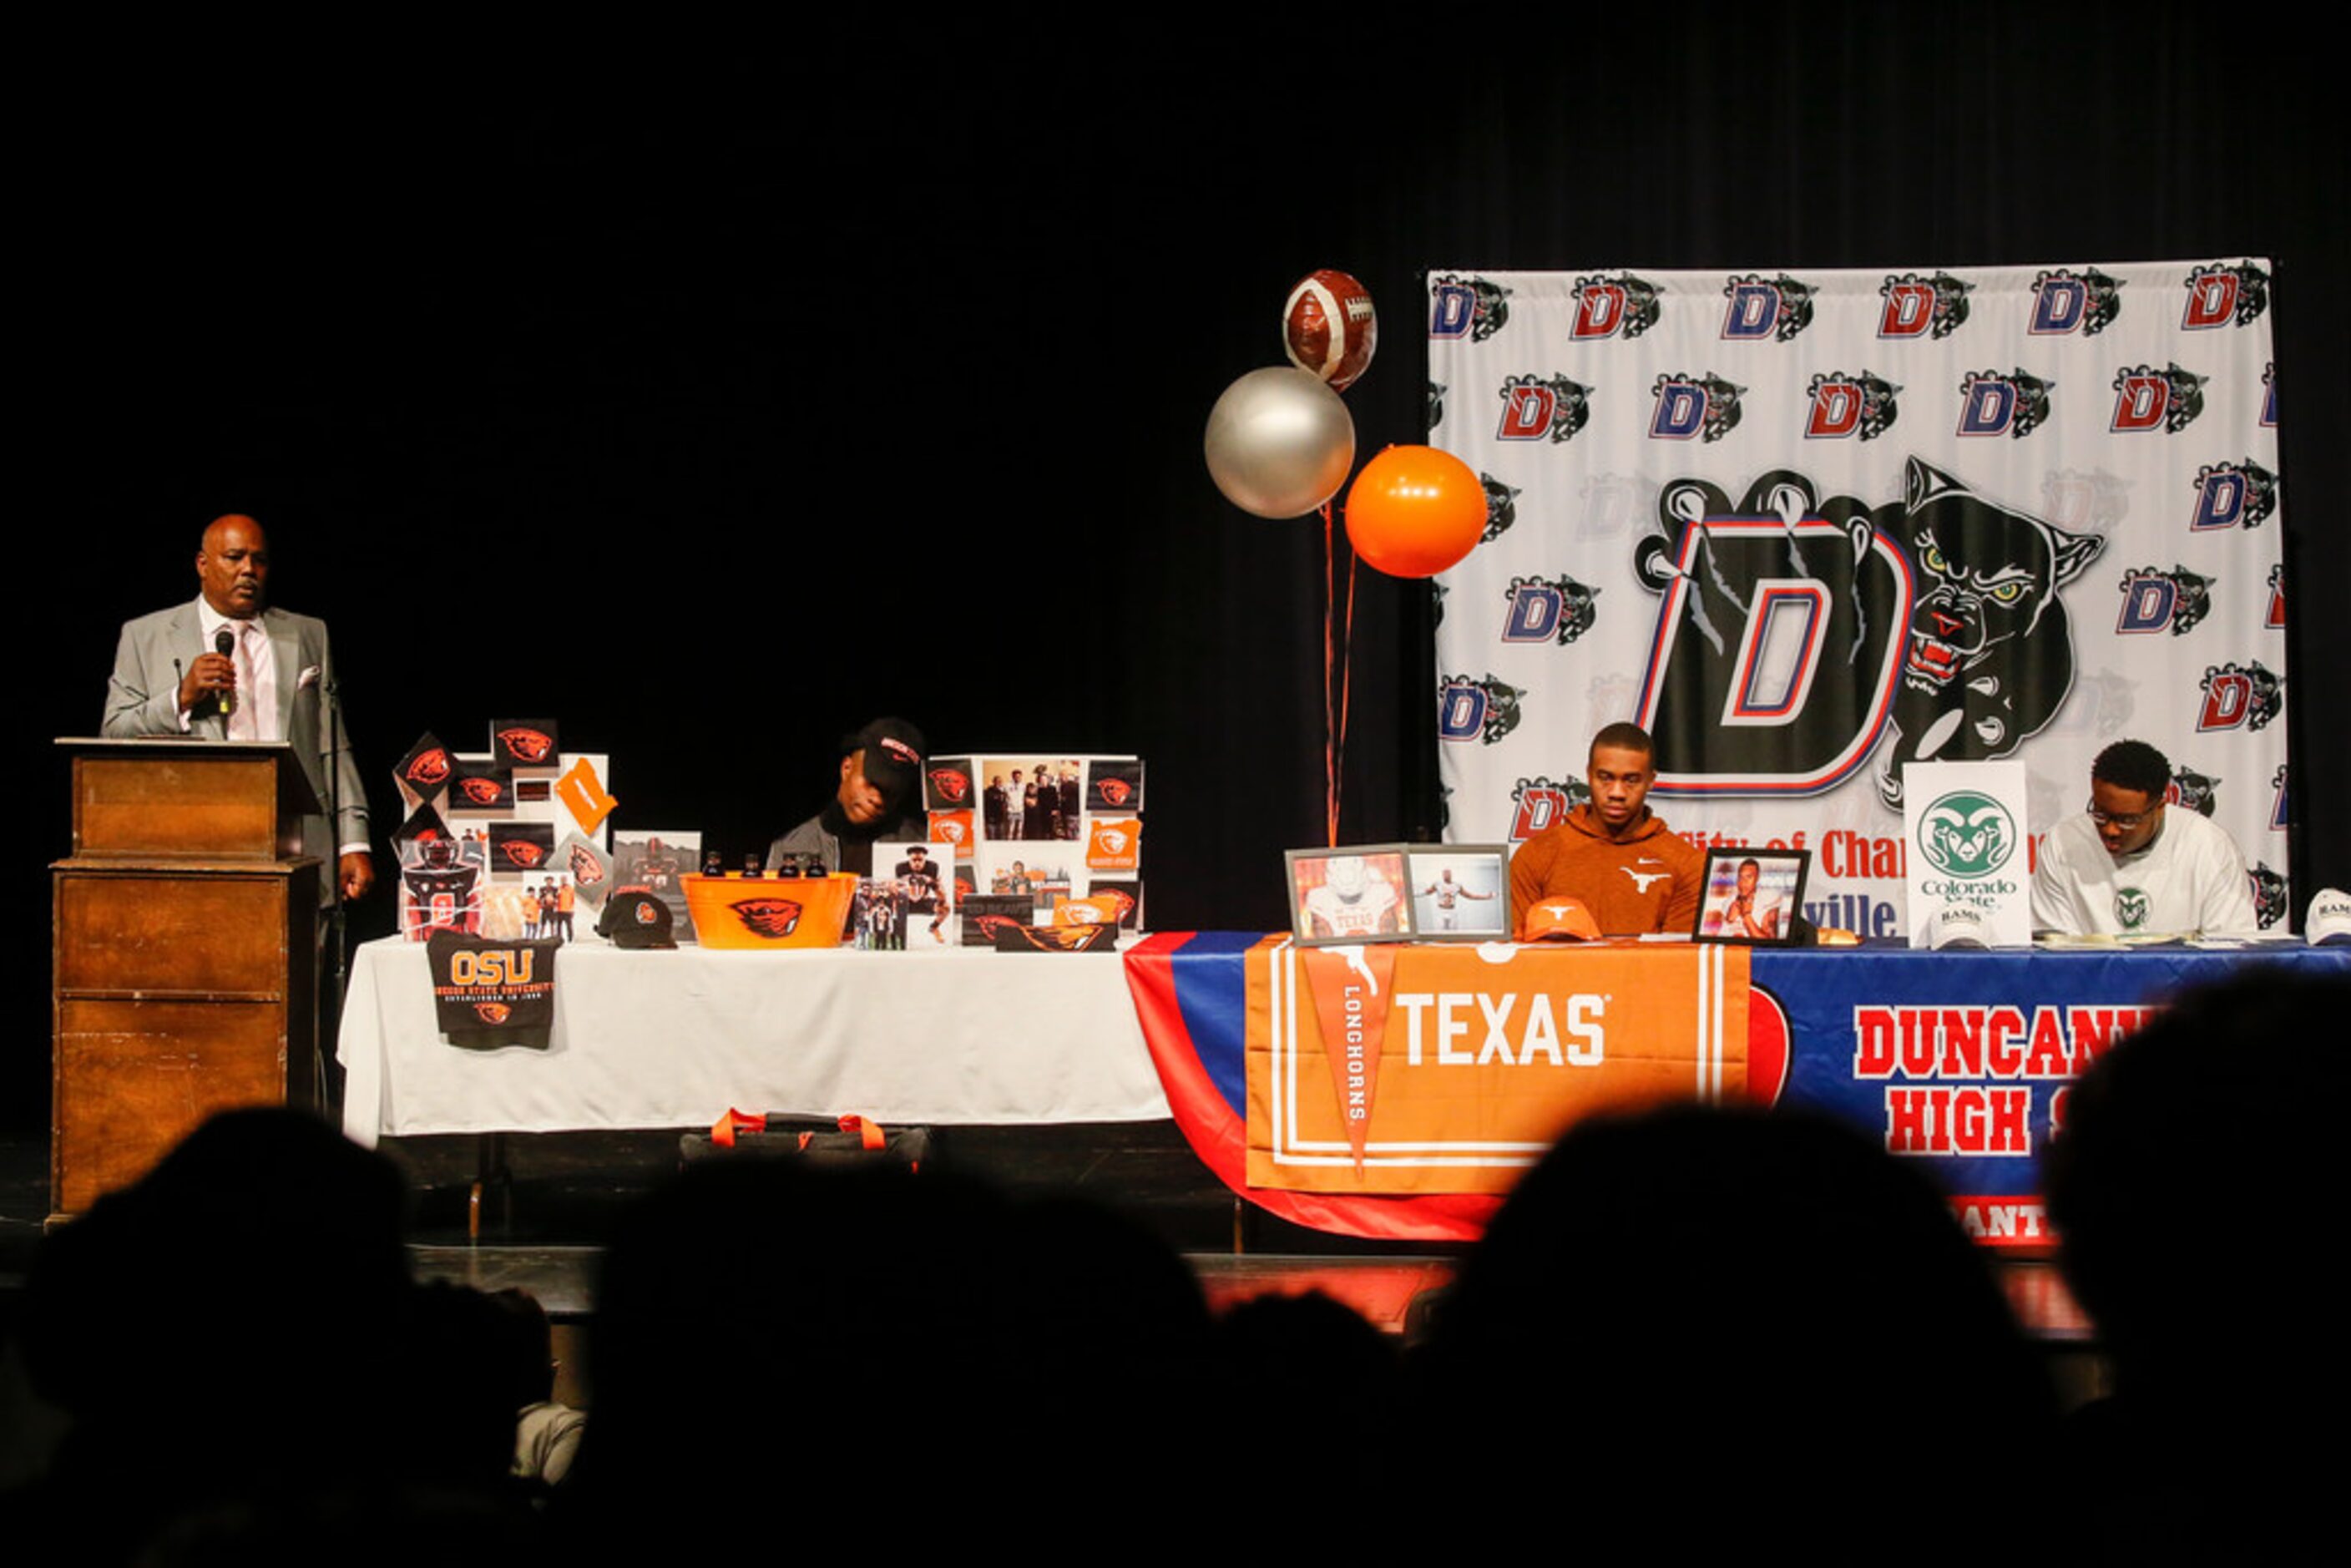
column 523, row 852
column 429, row 769
column 527, row 745
column 951, row 784
column 1064, row 938
column 493, row 1013
column 1115, row 792
column 480, row 791
column 774, row 918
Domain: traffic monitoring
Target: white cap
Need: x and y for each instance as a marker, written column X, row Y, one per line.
column 1957, row 926
column 2328, row 919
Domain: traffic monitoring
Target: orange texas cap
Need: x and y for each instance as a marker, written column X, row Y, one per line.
column 1560, row 919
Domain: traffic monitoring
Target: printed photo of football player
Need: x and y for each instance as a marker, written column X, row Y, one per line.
column 924, row 875
column 1457, row 895
column 441, row 884
column 1350, row 894
column 1752, row 895
column 657, row 862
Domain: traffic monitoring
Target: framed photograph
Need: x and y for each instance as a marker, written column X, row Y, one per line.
column 1460, row 892
column 1356, row 892
column 1753, row 895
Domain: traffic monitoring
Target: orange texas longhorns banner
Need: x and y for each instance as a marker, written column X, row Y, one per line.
column 1393, row 1069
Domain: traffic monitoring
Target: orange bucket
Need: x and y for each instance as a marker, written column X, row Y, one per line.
column 766, row 912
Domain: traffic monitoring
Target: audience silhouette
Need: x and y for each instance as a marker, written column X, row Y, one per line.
column 1687, row 1330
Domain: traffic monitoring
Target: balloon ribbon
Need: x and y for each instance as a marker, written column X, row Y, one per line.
column 1338, row 647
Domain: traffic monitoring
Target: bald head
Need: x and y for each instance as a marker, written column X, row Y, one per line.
column 233, row 566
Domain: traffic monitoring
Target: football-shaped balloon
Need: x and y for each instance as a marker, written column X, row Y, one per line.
column 1328, row 327
column 1414, row 511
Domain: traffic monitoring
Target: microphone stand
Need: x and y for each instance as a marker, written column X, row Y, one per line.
column 333, row 1015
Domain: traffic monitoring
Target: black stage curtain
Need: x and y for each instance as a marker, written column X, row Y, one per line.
column 715, row 406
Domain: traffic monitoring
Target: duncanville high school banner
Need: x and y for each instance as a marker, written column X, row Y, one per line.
column 1808, row 529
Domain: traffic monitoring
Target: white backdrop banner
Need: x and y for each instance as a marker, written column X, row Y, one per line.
column 1809, row 530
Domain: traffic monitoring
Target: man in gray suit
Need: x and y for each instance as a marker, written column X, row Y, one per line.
column 275, row 683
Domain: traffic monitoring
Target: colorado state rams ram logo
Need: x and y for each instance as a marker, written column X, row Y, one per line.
column 1967, row 834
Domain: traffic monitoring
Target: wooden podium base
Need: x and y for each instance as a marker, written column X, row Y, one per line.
column 182, row 988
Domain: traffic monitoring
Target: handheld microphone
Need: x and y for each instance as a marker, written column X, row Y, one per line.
column 225, row 644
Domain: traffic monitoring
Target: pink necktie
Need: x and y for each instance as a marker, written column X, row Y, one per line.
column 243, row 721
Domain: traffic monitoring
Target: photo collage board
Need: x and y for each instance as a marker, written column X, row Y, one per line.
column 515, row 842
column 511, row 842
column 1038, row 838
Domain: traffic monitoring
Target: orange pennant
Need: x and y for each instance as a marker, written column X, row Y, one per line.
column 1352, row 988
column 584, row 796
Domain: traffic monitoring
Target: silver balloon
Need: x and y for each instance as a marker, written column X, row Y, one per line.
column 1279, row 443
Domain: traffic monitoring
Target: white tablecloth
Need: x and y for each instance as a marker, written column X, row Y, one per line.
column 673, row 1038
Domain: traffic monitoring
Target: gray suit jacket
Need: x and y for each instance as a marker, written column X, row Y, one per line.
column 144, row 699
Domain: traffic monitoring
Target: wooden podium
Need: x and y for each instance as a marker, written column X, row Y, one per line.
column 184, row 939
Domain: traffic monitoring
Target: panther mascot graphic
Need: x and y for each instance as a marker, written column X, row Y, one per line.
column 1991, row 650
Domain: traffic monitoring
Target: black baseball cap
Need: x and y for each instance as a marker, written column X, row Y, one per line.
column 636, row 918
column 893, row 751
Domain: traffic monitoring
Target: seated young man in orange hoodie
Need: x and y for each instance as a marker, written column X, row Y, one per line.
column 1612, row 852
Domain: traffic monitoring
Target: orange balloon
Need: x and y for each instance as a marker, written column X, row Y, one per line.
column 1414, row 511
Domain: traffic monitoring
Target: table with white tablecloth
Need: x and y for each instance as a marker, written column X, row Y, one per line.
column 673, row 1038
